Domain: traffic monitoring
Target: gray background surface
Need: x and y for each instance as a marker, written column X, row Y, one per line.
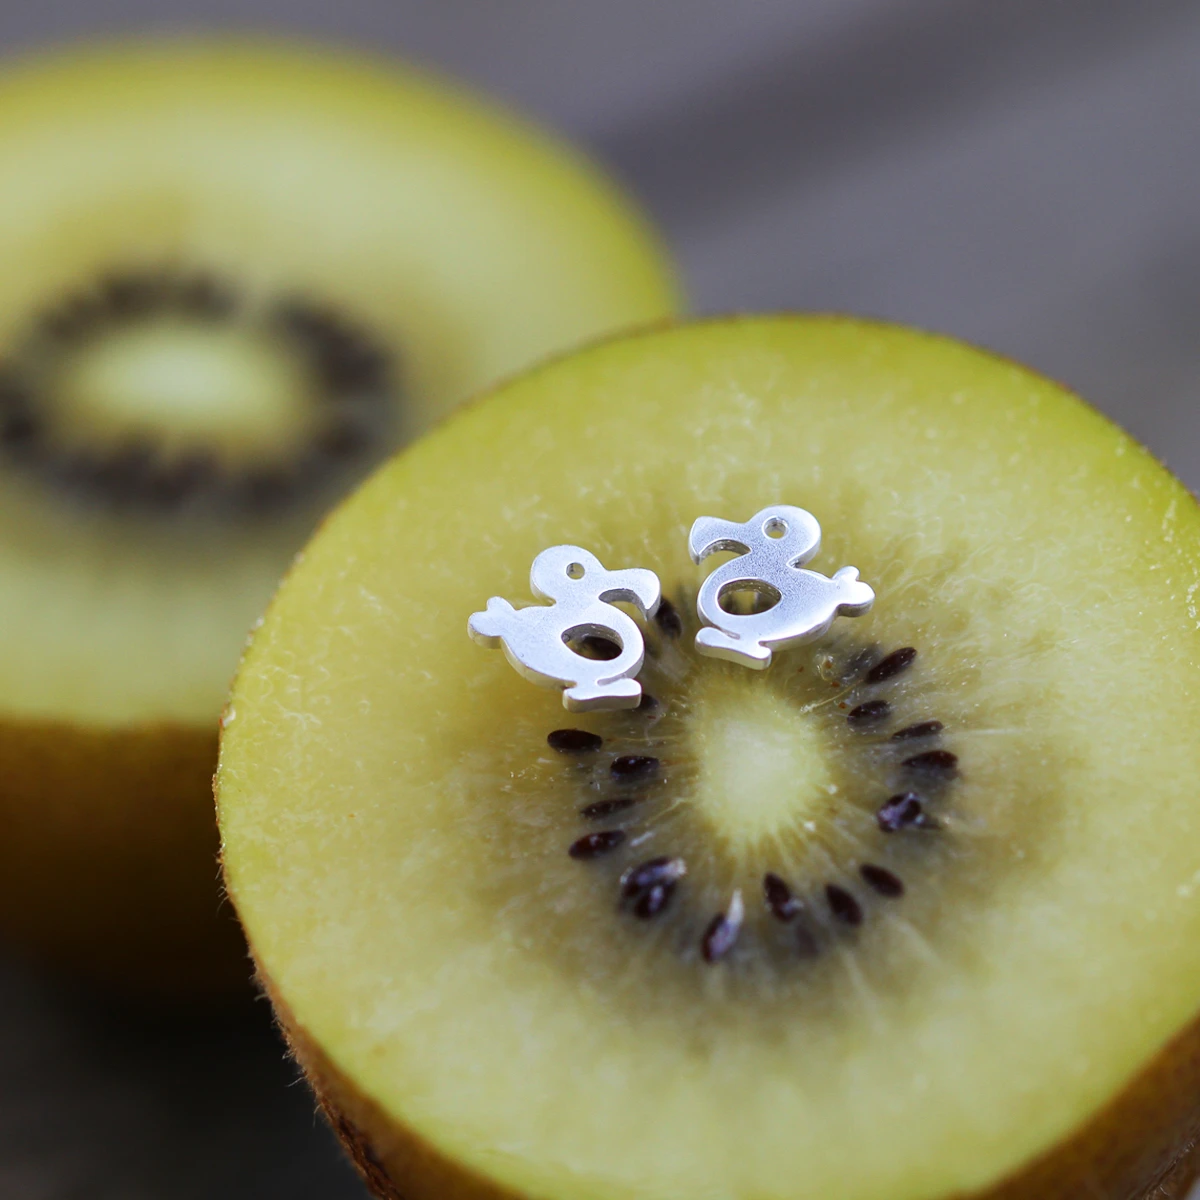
column 1025, row 174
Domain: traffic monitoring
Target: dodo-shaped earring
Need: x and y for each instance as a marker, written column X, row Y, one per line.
column 799, row 605
column 537, row 640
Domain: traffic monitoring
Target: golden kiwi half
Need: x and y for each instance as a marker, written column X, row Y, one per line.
column 913, row 914
column 237, row 274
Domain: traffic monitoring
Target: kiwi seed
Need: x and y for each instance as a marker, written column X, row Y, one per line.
column 668, row 619
column 869, row 713
column 634, row 768
column 902, row 812
column 649, row 887
column 888, row 668
column 882, row 880
column 723, row 930
column 783, row 905
column 933, row 762
column 573, row 741
column 843, row 905
column 592, row 845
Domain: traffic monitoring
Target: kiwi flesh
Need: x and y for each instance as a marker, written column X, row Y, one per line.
column 237, row 275
column 912, row 914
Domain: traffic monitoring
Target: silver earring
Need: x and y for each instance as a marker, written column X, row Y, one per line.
column 536, row 639
column 774, row 544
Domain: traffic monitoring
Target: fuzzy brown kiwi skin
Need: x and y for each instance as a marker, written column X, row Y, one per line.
column 1143, row 1145
column 108, row 857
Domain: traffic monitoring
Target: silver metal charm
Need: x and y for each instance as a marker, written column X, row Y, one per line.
column 535, row 639
column 774, row 544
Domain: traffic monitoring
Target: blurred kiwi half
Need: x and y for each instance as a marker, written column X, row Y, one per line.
column 237, row 274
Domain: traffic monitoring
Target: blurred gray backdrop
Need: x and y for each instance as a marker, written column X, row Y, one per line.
column 1023, row 173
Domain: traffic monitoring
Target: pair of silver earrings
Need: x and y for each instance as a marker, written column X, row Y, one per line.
column 773, row 546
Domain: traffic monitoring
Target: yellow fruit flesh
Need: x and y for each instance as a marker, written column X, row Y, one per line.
column 464, row 242
column 395, row 828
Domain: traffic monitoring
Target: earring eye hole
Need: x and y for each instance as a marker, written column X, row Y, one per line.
column 775, row 528
column 575, row 571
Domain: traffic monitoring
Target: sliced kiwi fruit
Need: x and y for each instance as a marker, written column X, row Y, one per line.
column 913, row 914
column 237, row 275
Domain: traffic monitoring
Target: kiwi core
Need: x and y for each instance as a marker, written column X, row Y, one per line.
column 178, row 383
column 761, row 772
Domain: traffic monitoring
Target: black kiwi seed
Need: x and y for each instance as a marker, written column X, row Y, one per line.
column 651, row 902
column 783, row 905
column 661, row 869
column 606, row 808
column 933, row 762
column 892, row 665
column 650, row 886
column 870, row 713
column 647, row 704
column 722, row 932
column 922, row 729
column 882, row 880
column 902, row 811
column 592, row 845
column 667, row 618
column 843, row 905
column 633, row 768
column 574, row 741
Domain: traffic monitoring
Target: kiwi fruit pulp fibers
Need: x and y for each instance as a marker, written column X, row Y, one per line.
column 912, row 914
column 237, row 274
